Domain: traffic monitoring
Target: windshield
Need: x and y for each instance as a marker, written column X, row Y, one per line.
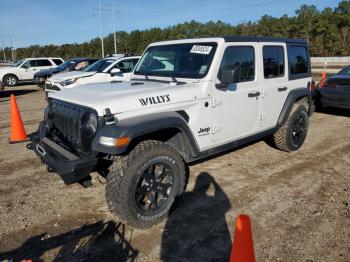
column 99, row 66
column 180, row 60
column 66, row 65
column 18, row 63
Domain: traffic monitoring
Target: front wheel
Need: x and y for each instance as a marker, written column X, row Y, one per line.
column 10, row 80
column 292, row 134
column 142, row 186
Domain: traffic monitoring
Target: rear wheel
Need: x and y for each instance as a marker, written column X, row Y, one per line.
column 292, row 134
column 142, row 186
column 10, row 80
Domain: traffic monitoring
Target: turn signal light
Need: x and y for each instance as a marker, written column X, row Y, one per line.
column 121, row 142
column 114, row 142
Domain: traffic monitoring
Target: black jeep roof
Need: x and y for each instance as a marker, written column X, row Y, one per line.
column 262, row 39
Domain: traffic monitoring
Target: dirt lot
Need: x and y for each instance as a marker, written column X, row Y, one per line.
column 298, row 202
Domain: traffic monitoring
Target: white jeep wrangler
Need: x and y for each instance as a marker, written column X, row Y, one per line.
column 187, row 100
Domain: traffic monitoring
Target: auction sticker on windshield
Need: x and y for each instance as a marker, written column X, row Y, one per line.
column 201, row 49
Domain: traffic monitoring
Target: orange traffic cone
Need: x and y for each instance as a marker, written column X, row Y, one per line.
column 18, row 134
column 243, row 247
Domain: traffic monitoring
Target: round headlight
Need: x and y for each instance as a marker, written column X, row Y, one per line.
column 89, row 123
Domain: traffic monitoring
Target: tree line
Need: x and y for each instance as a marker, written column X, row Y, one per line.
column 327, row 31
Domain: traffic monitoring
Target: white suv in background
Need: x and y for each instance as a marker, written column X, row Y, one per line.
column 114, row 68
column 24, row 70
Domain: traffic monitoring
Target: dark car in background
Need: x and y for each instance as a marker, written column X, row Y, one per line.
column 335, row 92
column 75, row 64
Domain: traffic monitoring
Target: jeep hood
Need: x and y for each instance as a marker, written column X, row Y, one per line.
column 70, row 75
column 129, row 96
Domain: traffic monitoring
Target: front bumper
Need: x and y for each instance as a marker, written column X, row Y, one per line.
column 67, row 165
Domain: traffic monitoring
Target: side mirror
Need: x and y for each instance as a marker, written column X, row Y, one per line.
column 229, row 75
column 115, row 71
column 25, row 66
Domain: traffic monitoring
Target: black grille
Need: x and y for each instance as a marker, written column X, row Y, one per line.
column 49, row 86
column 65, row 122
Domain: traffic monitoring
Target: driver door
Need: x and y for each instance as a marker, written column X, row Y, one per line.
column 28, row 69
column 236, row 106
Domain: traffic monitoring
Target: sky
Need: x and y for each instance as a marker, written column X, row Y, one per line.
column 44, row 22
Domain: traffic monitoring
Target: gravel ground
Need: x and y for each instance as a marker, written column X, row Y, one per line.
column 298, row 202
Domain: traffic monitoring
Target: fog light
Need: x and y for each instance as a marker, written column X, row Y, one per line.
column 115, row 142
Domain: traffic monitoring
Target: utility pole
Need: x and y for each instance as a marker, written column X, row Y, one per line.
column 3, row 48
column 13, row 57
column 101, row 25
column 114, row 33
column 100, row 9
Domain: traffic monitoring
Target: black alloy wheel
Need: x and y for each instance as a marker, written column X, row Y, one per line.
column 299, row 130
column 154, row 187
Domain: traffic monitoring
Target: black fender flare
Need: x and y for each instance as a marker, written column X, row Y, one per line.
column 293, row 96
column 139, row 126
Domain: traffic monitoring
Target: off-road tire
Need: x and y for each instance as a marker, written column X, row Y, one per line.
column 283, row 136
column 12, row 83
column 125, row 173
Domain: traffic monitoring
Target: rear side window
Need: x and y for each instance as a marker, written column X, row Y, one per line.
column 241, row 57
column 57, row 61
column 273, row 61
column 43, row 62
column 298, row 60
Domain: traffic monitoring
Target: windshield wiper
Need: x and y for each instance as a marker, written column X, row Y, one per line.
column 157, row 80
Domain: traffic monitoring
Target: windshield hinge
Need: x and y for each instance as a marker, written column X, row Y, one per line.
column 216, row 102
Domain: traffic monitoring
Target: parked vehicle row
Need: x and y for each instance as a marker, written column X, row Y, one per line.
column 53, row 74
column 75, row 64
column 114, row 68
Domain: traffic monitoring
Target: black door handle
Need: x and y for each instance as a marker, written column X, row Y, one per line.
column 254, row 94
column 281, row 89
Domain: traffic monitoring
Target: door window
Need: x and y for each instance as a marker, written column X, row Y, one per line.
column 29, row 64
column 127, row 65
column 273, row 61
column 240, row 58
column 43, row 62
column 81, row 65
